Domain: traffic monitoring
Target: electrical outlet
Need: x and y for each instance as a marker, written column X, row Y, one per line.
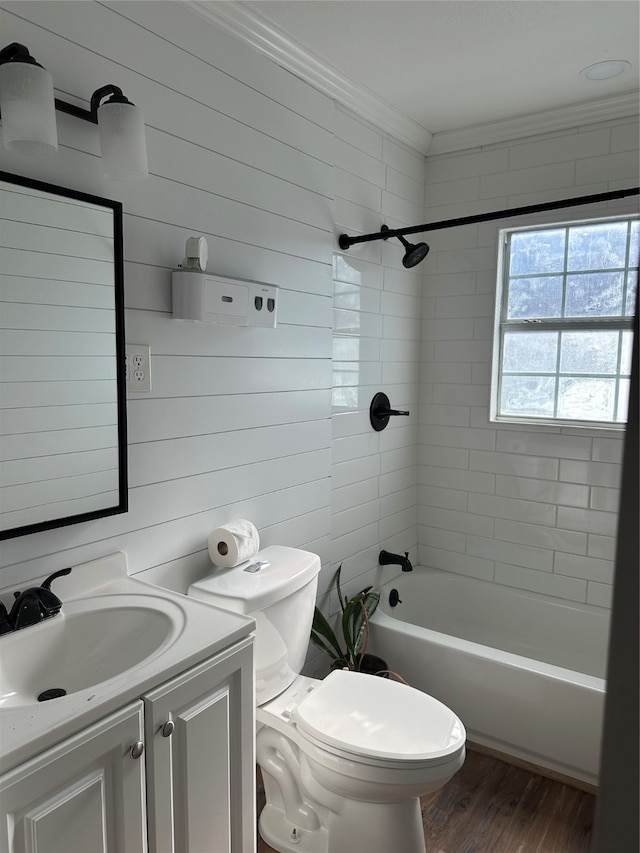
column 138, row 368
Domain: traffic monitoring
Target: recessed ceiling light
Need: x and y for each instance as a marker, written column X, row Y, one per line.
column 605, row 70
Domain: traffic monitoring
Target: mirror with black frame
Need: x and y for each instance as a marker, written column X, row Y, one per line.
column 63, row 445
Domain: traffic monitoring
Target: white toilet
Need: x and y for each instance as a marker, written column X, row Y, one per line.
column 344, row 760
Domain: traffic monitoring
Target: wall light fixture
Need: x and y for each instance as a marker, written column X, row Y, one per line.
column 27, row 110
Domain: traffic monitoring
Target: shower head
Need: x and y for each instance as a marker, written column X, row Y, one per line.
column 415, row 253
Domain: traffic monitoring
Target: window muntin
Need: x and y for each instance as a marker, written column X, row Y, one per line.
column 566, row 297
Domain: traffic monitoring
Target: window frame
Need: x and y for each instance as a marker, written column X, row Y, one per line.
column 503, row 324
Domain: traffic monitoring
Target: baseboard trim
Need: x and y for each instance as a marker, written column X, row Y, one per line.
column 533, row 768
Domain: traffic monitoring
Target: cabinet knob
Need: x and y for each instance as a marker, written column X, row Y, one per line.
column 137, row 749
column 167, row 729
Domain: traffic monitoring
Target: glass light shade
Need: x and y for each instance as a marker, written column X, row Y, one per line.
column 122, row 141
column 28, row 108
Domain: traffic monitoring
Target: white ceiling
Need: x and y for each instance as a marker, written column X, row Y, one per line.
column 452, row 64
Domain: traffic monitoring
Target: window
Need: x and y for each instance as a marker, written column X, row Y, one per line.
column 564, row 315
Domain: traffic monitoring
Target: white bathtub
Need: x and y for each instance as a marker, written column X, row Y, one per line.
column 523, row 672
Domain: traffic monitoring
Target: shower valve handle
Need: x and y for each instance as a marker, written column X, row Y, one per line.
column 385, row 413
column 380, row 411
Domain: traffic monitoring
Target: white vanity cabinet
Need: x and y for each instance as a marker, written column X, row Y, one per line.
column 85, row 795
column 199, row 733
column 172, row 772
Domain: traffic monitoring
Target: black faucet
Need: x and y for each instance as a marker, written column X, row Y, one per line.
column 386, row 558
column 35, row 604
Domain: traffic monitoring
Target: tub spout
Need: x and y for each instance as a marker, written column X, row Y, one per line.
column 386, row 558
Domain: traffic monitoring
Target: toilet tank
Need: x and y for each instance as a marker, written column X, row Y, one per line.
column 278, row 589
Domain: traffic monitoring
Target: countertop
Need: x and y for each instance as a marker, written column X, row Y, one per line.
column 201, row 631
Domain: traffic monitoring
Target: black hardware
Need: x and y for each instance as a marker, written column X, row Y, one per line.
column 380, row 411
column 35, row 604
column 19, row 53
column 394, row 598
column 114, row 209
column 92, row 114
column 26, row 609
column 386, row 558
column 415, row 252
column 51, row 693
column 345, row 241
column 46, row 584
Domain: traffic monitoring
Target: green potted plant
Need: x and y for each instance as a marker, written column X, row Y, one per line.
column 350, row 652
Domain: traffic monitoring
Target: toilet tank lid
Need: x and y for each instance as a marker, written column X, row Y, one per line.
column 274, row 573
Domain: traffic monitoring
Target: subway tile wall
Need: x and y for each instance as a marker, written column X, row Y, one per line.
column 376, row 347
column 531, row 507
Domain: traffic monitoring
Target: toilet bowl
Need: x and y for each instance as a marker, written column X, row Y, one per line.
column 344, row 760
column 350, row 757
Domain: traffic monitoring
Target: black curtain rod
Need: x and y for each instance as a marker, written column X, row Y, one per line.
column 345, row 241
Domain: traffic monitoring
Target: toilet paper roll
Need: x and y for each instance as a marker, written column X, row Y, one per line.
column 233, row 543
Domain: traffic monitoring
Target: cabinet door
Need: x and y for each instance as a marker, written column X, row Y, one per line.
column 85, row 795
column 200, row 758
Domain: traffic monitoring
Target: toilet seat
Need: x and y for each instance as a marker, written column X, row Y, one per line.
column 384, row 723
column 311, row 713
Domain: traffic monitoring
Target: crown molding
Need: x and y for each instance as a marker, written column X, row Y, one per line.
column 248, row 26
column 244, row 23
column 547, row 121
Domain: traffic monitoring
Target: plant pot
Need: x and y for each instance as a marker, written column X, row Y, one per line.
column 373, row 665
column 369, row 664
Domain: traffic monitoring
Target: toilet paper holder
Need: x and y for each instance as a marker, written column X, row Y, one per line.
column 380, row 411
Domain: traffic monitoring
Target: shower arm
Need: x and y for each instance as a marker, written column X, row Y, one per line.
column 345, row 241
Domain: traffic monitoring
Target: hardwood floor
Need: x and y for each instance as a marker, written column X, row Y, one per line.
column 493, row 807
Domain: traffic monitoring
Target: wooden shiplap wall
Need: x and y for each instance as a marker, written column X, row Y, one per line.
column 238, row 422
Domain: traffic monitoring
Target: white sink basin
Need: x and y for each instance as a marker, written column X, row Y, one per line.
column 88, row 643
column 115, row 638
